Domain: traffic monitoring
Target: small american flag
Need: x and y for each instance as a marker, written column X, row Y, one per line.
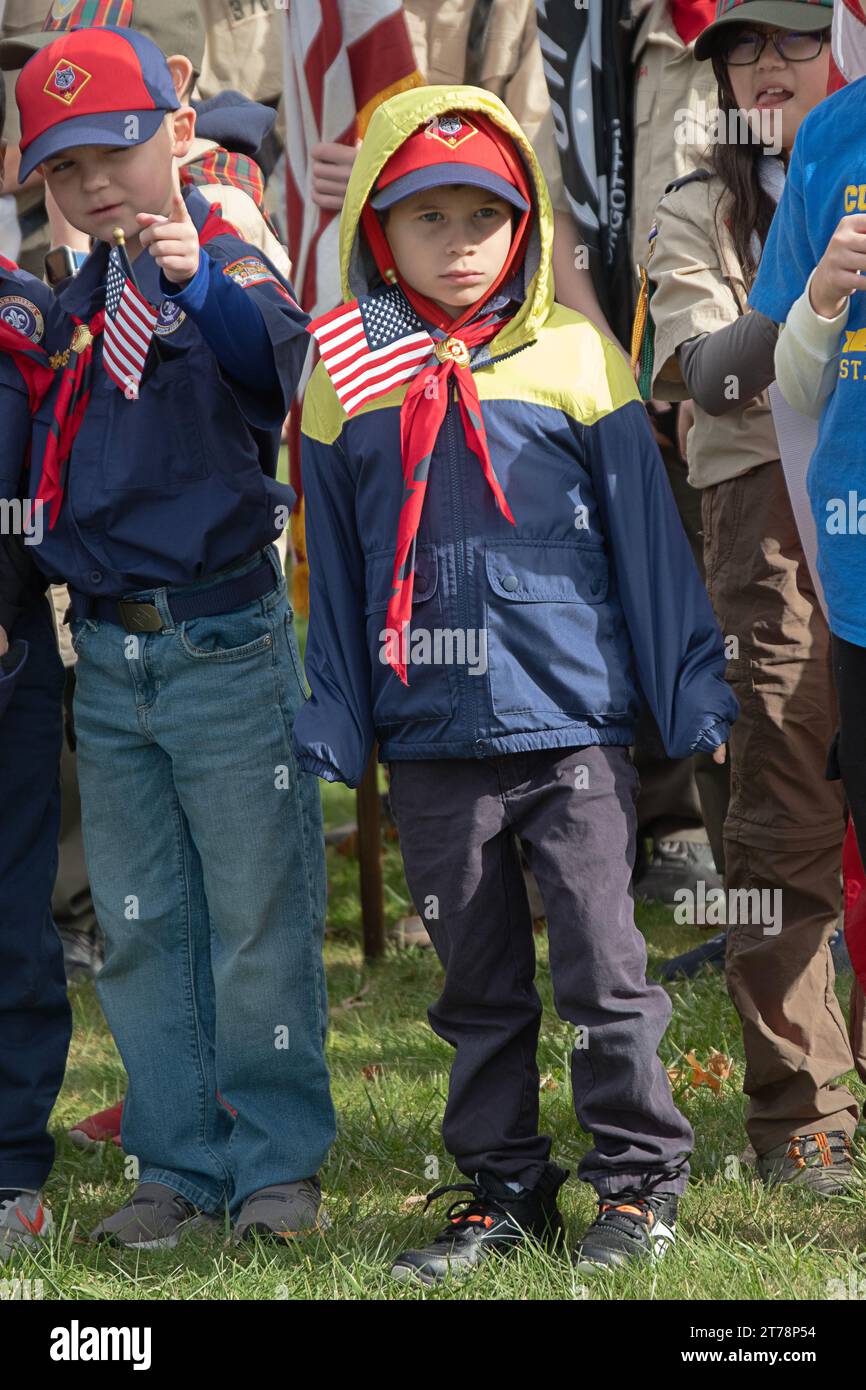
column 370, row 345
column 129, row 325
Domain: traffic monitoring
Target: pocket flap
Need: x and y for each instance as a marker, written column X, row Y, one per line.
column 380, row 573
column 547, row 572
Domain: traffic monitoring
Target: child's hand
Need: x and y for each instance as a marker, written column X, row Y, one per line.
column 4, row 642
column 720, row 753
column 331, row 167
column 172, row 241
column 841, row 268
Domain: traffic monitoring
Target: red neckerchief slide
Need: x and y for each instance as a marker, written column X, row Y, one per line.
column 73, row 395
column 426, row 400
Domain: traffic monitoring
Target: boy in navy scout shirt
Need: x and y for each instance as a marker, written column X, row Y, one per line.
column 497, row 571
column 35, row 1019
column 156, row 465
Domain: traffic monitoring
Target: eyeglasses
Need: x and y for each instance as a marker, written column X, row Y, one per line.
column 749, row 44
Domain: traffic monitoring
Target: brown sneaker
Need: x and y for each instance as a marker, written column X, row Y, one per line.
column 824, row 1163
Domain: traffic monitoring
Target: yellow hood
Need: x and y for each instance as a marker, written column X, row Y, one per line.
column 391, row 124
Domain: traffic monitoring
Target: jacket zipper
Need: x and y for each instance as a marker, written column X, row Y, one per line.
column 467, row 692
column 460, row 556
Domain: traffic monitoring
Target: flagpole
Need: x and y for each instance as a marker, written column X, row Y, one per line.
column 119, row 238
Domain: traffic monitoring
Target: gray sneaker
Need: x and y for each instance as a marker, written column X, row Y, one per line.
column 154, row 1218
column 24, row 1221
column 287, row 1209
column 821, row 1162
column 676, row 864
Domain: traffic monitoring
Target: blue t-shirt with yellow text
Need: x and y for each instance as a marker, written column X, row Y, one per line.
column 826, row 181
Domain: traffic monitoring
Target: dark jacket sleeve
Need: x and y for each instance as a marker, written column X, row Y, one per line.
column 741, row 355
column 333, row 731
column 285, row 326
column 21, row 583
column 677, row 643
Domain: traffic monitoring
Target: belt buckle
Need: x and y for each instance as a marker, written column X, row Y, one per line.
column 139, row 617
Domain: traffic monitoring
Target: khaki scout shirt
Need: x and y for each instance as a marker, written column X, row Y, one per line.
column 669, row 82
column 511, row 66
column 699, row 287
column 244, row 48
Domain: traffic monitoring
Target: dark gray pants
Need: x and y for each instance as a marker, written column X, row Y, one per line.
column 573, row 810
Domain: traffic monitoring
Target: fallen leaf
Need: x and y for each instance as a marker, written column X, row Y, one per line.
column 372, row 1072
column 548, row 1082
column 717, row 1070
column 416, row 1199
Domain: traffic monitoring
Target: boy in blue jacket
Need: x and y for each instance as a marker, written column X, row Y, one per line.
column 155, row 457
column 498, row 572
column 35, row 1018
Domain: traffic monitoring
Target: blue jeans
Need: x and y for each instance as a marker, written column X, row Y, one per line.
column 206, row 857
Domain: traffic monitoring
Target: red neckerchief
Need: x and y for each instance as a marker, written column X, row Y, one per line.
column 425, row 404
column 75, row 386
column 691, row 17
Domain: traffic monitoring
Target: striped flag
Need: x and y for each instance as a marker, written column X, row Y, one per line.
column 129, row 325
column 371, row 345
column 342, row 59
column 849, row 43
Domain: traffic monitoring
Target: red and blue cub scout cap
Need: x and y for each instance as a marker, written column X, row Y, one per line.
column 104, row 86
column 453, row 148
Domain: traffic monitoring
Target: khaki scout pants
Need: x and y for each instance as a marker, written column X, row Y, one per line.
column 785, row 824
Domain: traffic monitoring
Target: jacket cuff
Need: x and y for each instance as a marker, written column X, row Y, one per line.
column 712, row 737
column 319, row 768
column 814, row 331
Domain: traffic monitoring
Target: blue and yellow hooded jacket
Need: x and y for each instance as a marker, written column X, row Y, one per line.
column 538, row 635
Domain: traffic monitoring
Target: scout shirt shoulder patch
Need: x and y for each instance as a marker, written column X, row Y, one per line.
column 171, row 316
column 249, row 271
column 22, row 315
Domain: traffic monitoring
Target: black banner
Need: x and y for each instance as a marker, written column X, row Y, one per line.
column 584, row 45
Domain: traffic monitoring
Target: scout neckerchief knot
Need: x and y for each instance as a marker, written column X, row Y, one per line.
column 370, row 345
column 123, row 357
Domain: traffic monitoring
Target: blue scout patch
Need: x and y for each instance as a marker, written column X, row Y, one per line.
column 171, row 316
column 22, row 315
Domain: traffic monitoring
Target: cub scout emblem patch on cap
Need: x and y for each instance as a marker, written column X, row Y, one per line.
column 23, row 316
column 171, row 316
column 66, row 81
column 451, row 130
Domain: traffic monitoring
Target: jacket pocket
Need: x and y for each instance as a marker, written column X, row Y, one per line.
column 552, row 638
column 429, row 694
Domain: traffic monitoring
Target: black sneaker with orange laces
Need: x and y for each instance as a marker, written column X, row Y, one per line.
column 492, row 1220
column 630, row 1227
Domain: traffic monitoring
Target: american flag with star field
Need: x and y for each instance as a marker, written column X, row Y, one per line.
column 369, row 346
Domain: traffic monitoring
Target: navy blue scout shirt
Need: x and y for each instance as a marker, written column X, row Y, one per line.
column 180, row 483
column 29, row 307
column 827, row 181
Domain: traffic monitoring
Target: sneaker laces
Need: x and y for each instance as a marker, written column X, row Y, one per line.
column 633, row 1205
column 467, row 1212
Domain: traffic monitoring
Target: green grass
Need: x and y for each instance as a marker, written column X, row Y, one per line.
column 737, row 1241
